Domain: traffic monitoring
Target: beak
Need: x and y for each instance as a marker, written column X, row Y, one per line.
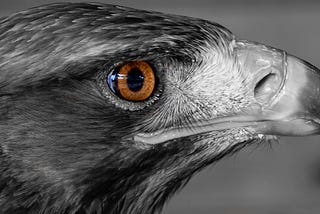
column 286, row 88
column 285, row 91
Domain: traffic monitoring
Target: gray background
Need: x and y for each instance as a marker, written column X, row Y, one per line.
column 278, row 179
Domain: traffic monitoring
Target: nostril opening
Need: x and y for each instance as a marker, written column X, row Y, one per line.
column 266, row 88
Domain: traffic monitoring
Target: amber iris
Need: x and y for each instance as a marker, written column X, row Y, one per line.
column 133, row 81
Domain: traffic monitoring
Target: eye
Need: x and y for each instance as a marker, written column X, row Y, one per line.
column 133, row 81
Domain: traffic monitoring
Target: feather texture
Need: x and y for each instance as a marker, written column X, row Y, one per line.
column 65, row 140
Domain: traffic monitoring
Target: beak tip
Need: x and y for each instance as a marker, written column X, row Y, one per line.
column 299, row 101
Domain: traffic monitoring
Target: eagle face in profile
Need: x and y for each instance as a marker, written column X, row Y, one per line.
column 108, row 109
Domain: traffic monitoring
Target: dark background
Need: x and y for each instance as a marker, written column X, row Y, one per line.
column 279, row 179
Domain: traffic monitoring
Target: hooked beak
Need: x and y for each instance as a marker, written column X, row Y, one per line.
column 285, row 90
column 286, row 87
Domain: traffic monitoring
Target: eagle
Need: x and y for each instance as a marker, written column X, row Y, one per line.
column 109, row 109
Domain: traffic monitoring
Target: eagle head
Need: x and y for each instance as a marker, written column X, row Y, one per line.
column 108, row 109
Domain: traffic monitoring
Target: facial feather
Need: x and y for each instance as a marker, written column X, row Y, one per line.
column 67, row 142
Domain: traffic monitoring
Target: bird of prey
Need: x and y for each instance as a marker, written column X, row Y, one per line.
column 108, row 109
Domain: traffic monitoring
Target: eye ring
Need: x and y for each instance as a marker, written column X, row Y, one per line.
column 133, row 81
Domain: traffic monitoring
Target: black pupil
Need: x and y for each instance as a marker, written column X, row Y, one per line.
column 135, row 79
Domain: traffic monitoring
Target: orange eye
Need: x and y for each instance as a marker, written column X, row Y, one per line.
column 133, row 81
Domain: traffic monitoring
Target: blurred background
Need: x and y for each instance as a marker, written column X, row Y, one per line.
column 282, row 178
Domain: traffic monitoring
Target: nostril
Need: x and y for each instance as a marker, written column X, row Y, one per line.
column 267, row 87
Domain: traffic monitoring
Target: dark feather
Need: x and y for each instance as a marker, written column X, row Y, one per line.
column 62, row 141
